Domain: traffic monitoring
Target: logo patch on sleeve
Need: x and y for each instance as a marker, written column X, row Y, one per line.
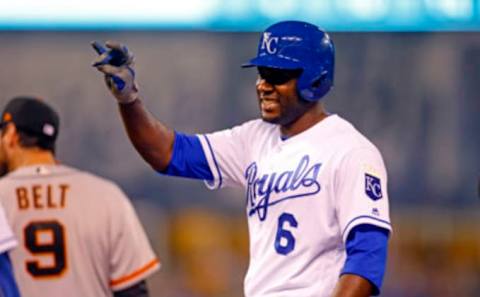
column 373, row 187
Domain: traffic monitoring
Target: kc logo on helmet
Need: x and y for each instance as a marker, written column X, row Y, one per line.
column 373, row 187
column 269, row 43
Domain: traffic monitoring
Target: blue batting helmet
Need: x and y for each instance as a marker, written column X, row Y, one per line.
column 299, row 45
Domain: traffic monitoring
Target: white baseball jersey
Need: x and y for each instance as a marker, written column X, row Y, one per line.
column 80, row 235
column 7, row 239
column 303, row 196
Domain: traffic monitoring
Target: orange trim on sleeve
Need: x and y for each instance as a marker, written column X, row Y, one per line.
column 134, row 274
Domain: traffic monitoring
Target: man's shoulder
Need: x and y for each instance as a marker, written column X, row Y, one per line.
column 95, row 181
column 256, row 125
column 348, row 138
column 46, row 173
column 247, row 130
column 98, row 188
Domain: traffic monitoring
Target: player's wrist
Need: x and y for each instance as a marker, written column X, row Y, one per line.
column 131, row 100
column 130, row 91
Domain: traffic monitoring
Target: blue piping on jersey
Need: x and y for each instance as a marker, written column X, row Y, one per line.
column 362, row 217
column 215, row 162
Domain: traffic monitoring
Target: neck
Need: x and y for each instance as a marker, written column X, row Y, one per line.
column 29, row 157
column 311, row 117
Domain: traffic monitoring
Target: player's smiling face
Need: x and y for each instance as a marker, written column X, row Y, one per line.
column 277, row 96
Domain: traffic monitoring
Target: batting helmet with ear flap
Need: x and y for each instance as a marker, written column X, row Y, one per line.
column 299, row 45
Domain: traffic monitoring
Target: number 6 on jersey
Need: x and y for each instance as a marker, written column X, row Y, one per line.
column 284, row 241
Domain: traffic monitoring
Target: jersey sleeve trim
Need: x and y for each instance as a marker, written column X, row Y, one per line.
column 7, row 244
column 365, row 220
column 141, row 273
column 217, row 181
column 188, row 158
column 367, row 249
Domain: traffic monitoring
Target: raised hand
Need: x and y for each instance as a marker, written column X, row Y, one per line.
column 116, row 62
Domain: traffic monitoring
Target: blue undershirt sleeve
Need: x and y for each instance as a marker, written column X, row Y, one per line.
column 188, row 158
column 8, row 286
column 367, row 254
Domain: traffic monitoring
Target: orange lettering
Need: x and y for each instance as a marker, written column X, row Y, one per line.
column 50, row 202
column 63, row 195
column 37, row 196
column 22, row 198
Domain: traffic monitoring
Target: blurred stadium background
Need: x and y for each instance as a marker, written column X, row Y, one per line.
column 407, row 76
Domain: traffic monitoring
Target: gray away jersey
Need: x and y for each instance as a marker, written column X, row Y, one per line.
column 78, row 234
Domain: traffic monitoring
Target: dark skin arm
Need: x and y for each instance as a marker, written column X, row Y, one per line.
column 152, row 139
column 350, row 285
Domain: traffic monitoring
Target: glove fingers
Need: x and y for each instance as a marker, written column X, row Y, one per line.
column 113, row 57
column 112, row 53
column 120, row 50
column 108, row 69
column 115, row 62
column 102, row 59
column 98, row 47
column 113, row 45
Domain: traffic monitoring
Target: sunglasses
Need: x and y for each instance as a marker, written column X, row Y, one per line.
column 276, row 76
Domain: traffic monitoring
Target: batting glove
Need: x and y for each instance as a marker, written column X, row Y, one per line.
column 116, row 62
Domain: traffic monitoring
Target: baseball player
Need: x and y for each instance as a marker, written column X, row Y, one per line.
column 316, row 189
column 79, row 233
column 8, row 286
